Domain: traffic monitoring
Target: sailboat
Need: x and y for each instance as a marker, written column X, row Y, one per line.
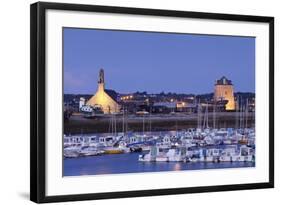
column 114, row 149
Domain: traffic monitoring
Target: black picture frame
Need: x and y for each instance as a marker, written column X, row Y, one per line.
column 38, row 101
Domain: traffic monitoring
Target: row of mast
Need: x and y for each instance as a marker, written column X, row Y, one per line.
column 241, row 118
column 241, row 115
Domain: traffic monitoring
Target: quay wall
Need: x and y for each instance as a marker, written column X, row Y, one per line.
column 78, row 124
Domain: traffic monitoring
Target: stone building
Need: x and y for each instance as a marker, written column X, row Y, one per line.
column 224, row 91
column 106, row 99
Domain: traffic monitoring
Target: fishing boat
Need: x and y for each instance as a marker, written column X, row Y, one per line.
column 150, row 156
column 174, row 155
column 225, row 158
column 135, row 149
column 113, row 150
column 89, row 151
column 72, row 151
column 162, row 158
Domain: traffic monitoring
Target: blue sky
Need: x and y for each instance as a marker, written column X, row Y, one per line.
column 156, row 62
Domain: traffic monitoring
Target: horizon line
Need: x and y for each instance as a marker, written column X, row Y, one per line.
column 160, row 92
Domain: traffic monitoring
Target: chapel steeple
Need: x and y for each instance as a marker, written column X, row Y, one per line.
column 101, row 80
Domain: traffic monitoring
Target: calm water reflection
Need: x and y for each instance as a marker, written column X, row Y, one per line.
column 128, row 163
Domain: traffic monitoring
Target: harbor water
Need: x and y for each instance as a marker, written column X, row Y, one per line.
column 128, row 163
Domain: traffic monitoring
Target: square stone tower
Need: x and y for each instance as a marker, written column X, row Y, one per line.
column 224, row 91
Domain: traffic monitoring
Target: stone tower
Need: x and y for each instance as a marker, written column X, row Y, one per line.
column 224, row 91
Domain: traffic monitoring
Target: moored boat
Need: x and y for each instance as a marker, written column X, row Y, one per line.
column 113, row 150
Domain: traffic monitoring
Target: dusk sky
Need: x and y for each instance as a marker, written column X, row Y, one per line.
column 156, row 62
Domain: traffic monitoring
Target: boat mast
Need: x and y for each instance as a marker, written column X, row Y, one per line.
column 126, row 121
column 240, row 109
column 115, row 127
column 246, row 114
column 214, row 115
column 123, row 121
column 150, row 120
column 204, row 119
column 236, row 112
column 143, row 126
column 207, row 113
column 111, row 123
column 198, row 115
column 242, row 117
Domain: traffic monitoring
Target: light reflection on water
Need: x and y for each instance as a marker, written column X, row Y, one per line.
column 177, row 167
column 128, row 163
